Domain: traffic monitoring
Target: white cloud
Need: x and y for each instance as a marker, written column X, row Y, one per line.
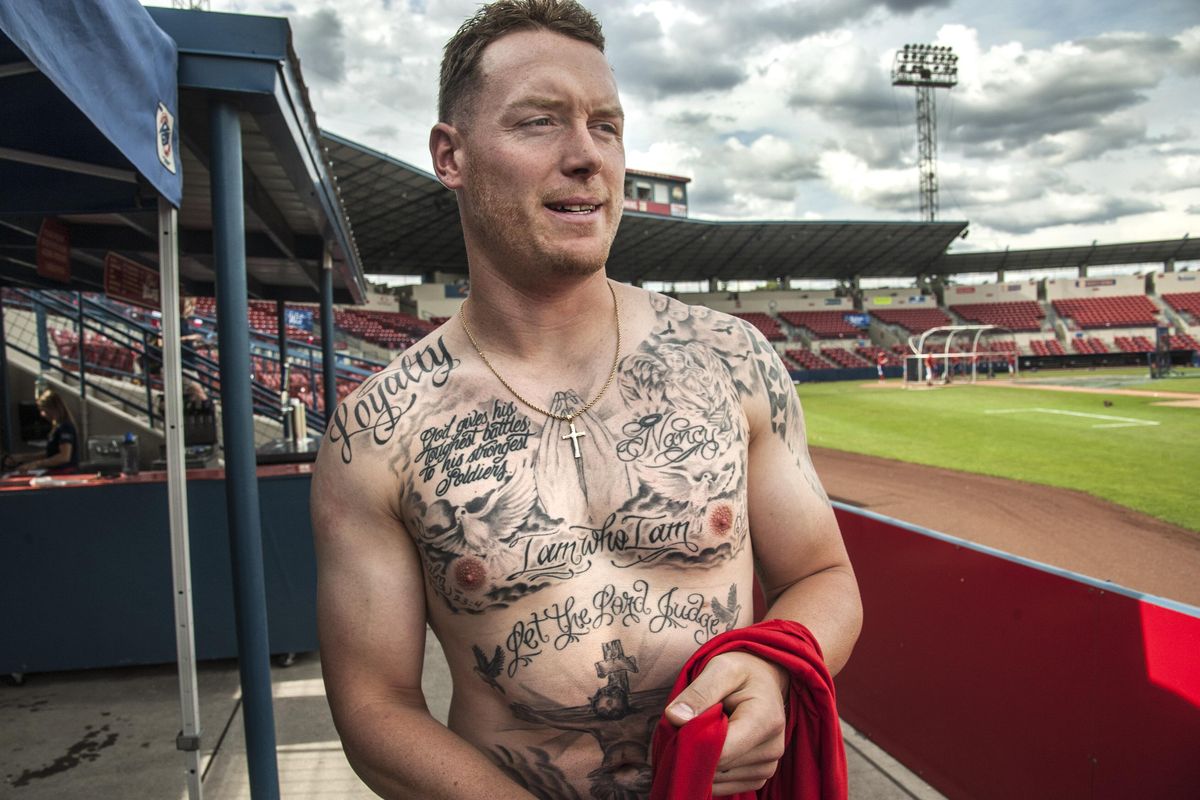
column 786, row 110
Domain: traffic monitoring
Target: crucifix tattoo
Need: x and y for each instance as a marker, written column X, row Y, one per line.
column 574, row 437
column 620, row 720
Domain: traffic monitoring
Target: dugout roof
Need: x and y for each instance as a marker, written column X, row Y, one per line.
column 406, row 222
column 292, row 210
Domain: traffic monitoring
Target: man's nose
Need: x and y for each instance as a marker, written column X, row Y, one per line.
column 581, row 156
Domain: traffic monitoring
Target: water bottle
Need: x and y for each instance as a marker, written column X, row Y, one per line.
column 129, row 454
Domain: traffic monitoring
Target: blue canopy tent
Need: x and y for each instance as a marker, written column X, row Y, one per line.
column 83, row 85
column 264, row 220
column 89, row 93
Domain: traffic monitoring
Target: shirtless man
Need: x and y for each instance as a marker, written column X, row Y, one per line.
column 578, row 498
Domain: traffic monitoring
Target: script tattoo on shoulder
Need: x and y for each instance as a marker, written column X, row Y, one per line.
column 617, row 718
column 375, row 409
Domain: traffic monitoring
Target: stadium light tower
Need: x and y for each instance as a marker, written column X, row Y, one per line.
column 926, row 67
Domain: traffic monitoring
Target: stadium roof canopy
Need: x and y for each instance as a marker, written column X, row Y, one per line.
column 406, row 222
column 1070, row 257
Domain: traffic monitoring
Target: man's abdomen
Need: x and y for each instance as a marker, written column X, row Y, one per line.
column 563, row 691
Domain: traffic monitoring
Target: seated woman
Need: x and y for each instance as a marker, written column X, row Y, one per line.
column 62, row 445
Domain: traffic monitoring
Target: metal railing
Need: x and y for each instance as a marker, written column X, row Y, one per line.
column 111, row 352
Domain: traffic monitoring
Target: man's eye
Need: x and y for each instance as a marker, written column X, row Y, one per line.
column 607, row 127
column 540, row 122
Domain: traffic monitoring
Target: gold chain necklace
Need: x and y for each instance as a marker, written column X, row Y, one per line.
column 574, row 435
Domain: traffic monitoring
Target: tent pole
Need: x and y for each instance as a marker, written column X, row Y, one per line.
column 181, row 565
column 6, row 434
column 83, row 401
column 241, row 478
column 328, row 352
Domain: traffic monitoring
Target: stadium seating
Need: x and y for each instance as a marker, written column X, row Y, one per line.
column 1186, row 303
column 767, row 325
column 101, row 355
column 1182, row 341
column 1025, row 315
column 1047, row 347
column 1130, row 311
column 822, row 324
column 845, row 358
column 913, row 320
column 1133, row 344
column 1088, row 346
column 393, row 330
column 806, row 359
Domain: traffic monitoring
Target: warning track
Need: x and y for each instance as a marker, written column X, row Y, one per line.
column 1061, row 527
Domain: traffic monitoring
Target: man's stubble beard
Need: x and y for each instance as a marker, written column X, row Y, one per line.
column 497, row 219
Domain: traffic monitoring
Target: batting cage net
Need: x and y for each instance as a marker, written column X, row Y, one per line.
column 943, row 355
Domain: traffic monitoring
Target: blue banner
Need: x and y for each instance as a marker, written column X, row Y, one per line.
column 858, row 320
column 301, row 318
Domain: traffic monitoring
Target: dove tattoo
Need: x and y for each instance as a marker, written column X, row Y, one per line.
column 728, row 613
column 487, row 669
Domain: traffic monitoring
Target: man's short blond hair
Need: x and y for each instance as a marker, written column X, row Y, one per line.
column 460, row 62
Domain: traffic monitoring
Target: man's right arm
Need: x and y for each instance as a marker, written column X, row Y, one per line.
column 371, row 623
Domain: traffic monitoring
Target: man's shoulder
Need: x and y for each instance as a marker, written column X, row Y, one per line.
column 374, row 416
column 697, row 318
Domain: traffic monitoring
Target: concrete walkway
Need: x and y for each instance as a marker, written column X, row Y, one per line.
column 110, row 735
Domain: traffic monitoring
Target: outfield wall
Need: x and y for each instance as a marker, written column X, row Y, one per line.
column 992, row 676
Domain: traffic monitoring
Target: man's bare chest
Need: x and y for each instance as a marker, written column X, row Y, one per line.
column 503, row 502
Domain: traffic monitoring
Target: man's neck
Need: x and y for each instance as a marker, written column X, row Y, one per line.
column 536, row 320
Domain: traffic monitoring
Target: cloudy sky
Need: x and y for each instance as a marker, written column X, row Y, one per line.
column 1073, row 120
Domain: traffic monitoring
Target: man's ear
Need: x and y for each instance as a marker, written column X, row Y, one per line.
column 445, row 147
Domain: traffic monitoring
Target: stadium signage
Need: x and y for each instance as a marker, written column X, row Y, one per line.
column 858, row 320
column 54, row 251
column 301, row 318
column 130, row 282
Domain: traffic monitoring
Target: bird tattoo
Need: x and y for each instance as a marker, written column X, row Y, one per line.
column 729, row 612
column 487, row 669
column 495, row 516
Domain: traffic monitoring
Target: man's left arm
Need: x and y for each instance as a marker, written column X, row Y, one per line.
column 803, row 568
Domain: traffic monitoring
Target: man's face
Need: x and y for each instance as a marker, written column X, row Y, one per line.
column 543, row 161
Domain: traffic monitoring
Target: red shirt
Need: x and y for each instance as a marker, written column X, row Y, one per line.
column 813, row 765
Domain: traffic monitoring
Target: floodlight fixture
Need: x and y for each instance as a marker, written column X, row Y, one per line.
column 926, row 67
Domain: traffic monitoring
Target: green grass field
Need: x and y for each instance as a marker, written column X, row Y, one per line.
column 1134, row 453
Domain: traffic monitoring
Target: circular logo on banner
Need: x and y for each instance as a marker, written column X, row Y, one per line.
column 165, row 138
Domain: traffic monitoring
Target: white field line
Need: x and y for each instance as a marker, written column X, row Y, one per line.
column 1120, row 422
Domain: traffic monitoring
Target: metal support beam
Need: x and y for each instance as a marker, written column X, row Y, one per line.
column 282, row 340
column 43, row 339
column 927, row 152
column 328, row 352
column 241, row 480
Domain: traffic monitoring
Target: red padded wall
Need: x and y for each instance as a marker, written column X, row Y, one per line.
column 996, row 678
